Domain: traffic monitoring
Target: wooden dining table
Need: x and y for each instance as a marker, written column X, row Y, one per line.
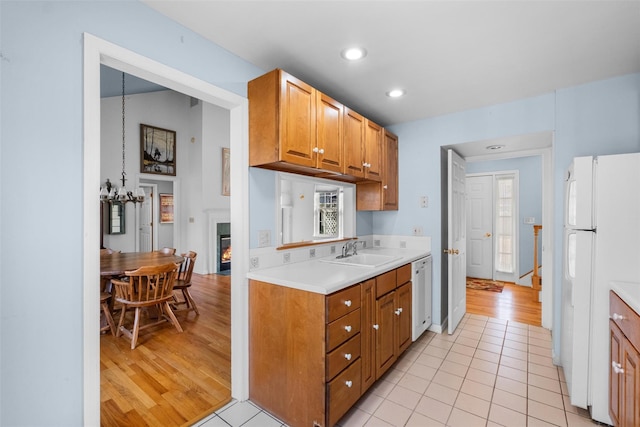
column 115, row 264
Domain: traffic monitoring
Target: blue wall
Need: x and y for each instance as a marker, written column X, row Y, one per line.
column 530, row 200
column 41, row 166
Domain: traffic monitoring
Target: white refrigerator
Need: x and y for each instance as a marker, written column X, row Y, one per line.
column 601, row 245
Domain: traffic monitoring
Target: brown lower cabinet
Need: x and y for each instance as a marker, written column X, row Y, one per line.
column 312, row 356
column 624, row 368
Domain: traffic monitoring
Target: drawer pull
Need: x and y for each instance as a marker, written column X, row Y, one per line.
column 617, row 316
column 376, row 327
column 349, row 383
column 348, row 303
column 347, row 328
column 617, row 368
column 347, row 356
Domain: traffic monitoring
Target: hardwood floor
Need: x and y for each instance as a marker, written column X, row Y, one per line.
column 513, row 303
column 171, row 378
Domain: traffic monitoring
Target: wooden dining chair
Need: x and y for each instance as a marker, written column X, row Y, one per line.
column 183, row 283
column 149, row 286
column 168, row 251
column 105, row 298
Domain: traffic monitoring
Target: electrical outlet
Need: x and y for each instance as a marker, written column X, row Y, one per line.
column 424, row 201
column 530, row 220
column 376, row 242
column 417, row 230
column 403, row 244
column 286, row 257
column 312, row 253
column 264, row 238
column 255, row 262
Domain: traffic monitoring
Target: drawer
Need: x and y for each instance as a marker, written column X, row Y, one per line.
column 343, row 392
column 343, row 329
column 386, row 283
column 343, row 302
column 629, row 321
column 404, row 274
column 343, row 356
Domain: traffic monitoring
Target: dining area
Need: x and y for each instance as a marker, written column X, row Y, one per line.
column 175, row 373
column 143, row 283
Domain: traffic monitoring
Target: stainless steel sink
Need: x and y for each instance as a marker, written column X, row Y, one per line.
column 363, row 260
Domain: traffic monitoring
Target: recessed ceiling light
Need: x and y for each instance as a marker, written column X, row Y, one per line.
column 353, row 53
column 396, row 93
column 494, row 147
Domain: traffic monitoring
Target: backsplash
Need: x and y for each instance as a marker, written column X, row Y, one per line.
column 260, row 258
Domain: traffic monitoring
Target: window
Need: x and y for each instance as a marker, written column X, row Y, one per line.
column 326, row 214
column 505, row 224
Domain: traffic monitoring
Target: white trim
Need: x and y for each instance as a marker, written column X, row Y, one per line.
column 97, row 51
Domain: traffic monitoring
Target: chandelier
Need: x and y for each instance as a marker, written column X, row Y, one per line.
column 109, row 193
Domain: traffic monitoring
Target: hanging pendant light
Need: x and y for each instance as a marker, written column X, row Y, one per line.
column 109, row 193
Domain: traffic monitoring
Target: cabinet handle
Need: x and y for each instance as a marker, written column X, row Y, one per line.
column 348, row 303
column 315, row 149
column 398, row 311
column 617, row 368
column 321, row 151
column 349, row 383
column 376, row 327
column 347, row 356
column 617, row 316
column 385, row 187
column 347, row 328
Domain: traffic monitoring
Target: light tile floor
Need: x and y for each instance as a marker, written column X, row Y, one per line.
column 489, row 373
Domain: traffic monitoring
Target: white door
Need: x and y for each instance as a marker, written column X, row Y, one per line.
column 457, row 240
column 146, row 221
column 480, row 226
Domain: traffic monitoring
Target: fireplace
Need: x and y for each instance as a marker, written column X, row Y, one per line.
column 223, row 261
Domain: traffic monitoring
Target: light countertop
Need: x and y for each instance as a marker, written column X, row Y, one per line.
column 629, row 292
column 325, row 278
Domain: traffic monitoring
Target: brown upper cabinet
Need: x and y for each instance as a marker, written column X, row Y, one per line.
column 375, row 196
column 293, row 127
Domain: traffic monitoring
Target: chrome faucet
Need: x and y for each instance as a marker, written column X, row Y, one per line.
column 350, row 246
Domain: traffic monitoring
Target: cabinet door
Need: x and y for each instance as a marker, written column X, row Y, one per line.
column 403, row 317
column 329, row 125
column 298, row 116
column 390, row 173
column 385, row 334
column 630, row 411
column 353, row 143
column 615, row 357
column 367, row 333
column 373, row 151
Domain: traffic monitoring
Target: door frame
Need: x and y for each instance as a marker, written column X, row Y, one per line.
column 548, row 203
column 97, row 51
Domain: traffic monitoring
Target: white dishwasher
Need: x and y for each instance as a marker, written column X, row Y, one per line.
column 421, row 296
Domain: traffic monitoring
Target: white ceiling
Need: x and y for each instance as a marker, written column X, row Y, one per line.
column 449, row 56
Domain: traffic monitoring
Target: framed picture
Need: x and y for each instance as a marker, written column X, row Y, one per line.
column 226, row 168
column 157, row 150
column 166, row 208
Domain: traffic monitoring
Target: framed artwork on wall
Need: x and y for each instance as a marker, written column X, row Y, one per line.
column 166, row 208
column 157, row 150
column 226, row 168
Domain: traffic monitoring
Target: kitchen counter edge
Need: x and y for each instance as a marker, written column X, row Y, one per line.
column 326, row 278
column 629, row 292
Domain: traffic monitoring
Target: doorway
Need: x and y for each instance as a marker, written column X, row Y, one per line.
column 96, row 52
column 537, row 144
